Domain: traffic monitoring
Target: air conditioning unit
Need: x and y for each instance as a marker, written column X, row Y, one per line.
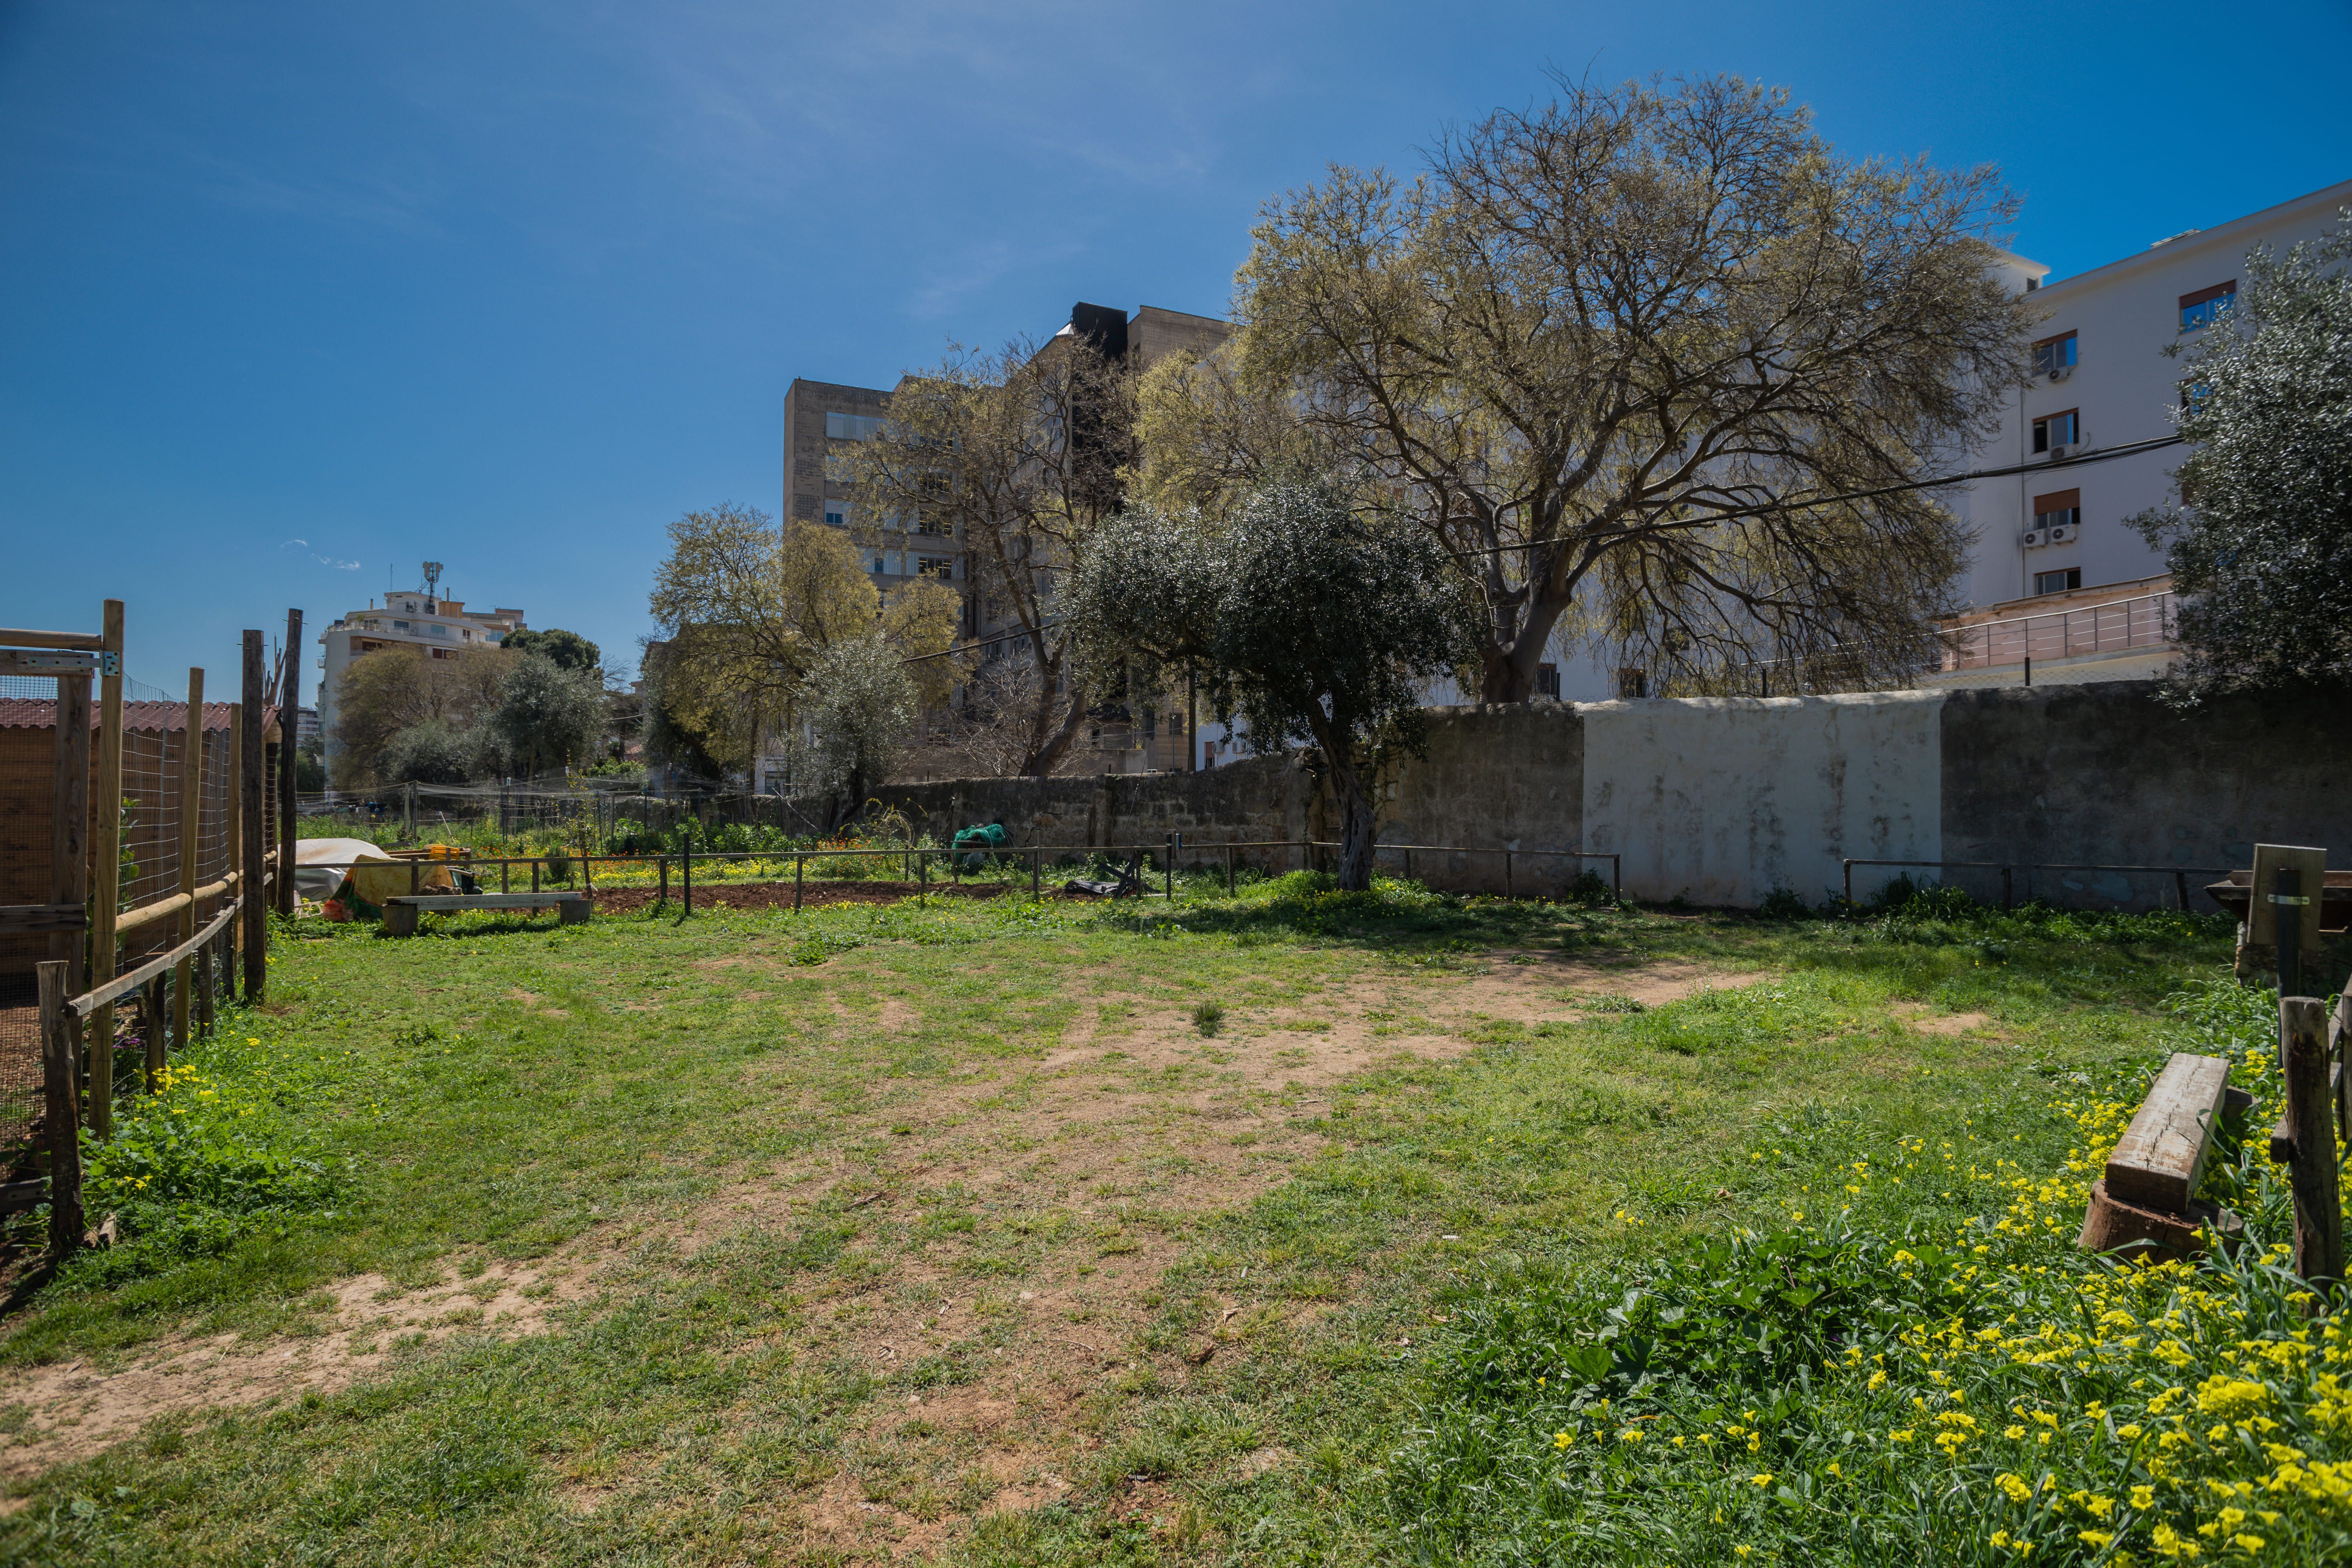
column 2061, row 372
column 2060, row 532
column 2035, row 536
column 2060, row 450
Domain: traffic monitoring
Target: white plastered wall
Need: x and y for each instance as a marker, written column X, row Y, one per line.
column 1722, row 800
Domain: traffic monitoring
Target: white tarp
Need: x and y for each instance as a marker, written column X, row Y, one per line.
column 321, row 864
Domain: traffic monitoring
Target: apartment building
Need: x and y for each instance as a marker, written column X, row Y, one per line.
column 2058, row 576
column 419, row 619
column 821, row 420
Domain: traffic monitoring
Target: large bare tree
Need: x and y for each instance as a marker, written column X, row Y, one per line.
column 1616, row 353
column 1020, row 453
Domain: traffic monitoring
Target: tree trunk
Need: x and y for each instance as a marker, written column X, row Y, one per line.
column 1356, row 825
column 1041, row 760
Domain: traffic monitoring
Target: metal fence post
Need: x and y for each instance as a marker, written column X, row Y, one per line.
column 2007, row 901
column 1848, row 883
column 799, row 873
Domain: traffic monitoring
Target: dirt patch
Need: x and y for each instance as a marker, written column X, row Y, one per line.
column 1951, row 1024
column 74, row 1409
column 1107, row 1154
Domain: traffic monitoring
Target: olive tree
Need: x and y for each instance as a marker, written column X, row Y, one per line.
column 1313, row 623
column 547, row 716
column 858, row 704
column 1613, row 353
column 2261, row 550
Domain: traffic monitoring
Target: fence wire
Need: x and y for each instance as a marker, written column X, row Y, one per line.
column 154, row 748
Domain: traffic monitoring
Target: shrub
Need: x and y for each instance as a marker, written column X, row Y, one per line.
column 1783, row 904
column 205, row 1160
column 1209, row 1017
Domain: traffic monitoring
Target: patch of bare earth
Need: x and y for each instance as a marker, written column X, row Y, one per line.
column 73, row 1409
column 1942, row 1022
column 1081, row 1174
column 1105, row 1154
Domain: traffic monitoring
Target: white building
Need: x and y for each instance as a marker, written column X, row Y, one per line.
column 419, row 619
column 2057, row 575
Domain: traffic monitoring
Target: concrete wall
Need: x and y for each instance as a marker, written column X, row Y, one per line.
column 1507, row 778
column 1722, row 800
column 1264, row 799
column 2110, row 776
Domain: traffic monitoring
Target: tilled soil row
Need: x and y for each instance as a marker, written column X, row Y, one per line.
column 779, row 895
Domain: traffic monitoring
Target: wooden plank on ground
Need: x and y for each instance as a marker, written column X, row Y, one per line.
column 2160, row 1155
column 483, row 901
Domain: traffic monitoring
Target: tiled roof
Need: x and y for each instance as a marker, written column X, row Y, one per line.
column 41, row 713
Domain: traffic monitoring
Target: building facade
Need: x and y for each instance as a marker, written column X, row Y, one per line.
column 2058, row 574
column 822, row 419
column 419, row 620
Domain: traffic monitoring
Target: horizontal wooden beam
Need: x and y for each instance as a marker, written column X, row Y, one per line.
column 21, row 1197
column 88, row 642
column 17, row 661
column 15, row 920
column 163, row 909
column 123, row 985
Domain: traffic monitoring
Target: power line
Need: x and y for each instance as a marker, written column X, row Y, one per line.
column 2130, row 448
column 984, row 642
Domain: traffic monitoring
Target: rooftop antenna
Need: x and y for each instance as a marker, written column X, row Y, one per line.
column 433, row 586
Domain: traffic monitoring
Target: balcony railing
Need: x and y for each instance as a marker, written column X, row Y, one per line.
column 2119, row 626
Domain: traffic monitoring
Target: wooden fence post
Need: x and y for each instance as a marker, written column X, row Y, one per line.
column 70, row 818
column 2311, row 1131
column 61, row 1114
column 288, row 721
column 191, row 807
column 106, row 839
column 252, row 793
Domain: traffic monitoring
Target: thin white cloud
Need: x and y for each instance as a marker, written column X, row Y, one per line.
column 304, row 545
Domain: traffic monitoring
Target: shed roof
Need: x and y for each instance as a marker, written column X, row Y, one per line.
column 41, row 713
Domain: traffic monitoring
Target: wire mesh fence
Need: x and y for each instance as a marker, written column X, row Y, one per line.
column 28, row 707
column 150, row 811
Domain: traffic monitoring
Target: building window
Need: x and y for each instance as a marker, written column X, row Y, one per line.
column 2053, row 356
column 934, row 525
column 936, row 566
column 2057, row 430
column 1633, row 683
column 439, row 631
column 1547, row 679
column 2207, row 306
column 851, row 427
column 400, row 626
column 837, row 512
column 2063, row 581
column 2060, row 508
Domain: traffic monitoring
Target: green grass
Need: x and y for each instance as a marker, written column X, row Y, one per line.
column 754, row 1145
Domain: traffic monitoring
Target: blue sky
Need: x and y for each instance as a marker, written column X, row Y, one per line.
column 294, row 294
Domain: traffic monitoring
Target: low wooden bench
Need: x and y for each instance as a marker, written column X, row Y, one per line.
column 400, row 913
column 2147, row 1197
